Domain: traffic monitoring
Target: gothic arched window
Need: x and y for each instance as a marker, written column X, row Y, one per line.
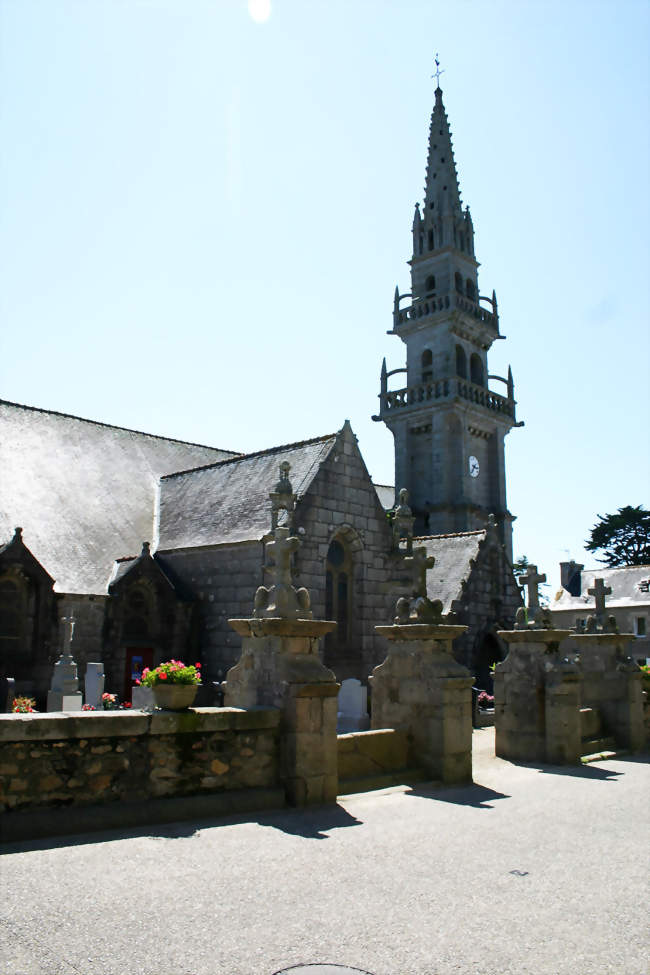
column 337, row 590
column 476, row 369
column 470, row 290
column 430, row 285
column 458, row 279
column 461, row 362
column 427, row 366
column 430, row 239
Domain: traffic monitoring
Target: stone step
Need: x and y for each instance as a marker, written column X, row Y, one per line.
column 589, row 722
column 601, row 756
column 383, row 780
column 597, row 749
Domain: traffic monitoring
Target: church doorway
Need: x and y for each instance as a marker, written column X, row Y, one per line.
column 489, row 653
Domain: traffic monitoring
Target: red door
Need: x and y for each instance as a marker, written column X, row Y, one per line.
column 137, row 658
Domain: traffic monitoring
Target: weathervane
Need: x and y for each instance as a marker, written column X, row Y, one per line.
column 437, row 72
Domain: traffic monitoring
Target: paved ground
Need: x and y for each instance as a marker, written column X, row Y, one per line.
column 529, row 871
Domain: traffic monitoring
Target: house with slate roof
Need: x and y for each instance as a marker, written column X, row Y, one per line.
column 628, row 602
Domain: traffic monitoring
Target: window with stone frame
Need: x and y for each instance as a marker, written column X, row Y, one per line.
column 426, row 362
column 476, row 369
column 458, row 280
column 640, row 626
column 338, row 575
column 461, row 362
column 430, row 285
column 470, row 290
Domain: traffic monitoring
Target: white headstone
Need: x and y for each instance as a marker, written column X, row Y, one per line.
column 70, row 702
column 353, row 707
column 142, row 698
column 94, row 685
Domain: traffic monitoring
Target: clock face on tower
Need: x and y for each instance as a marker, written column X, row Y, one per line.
column 474, row 466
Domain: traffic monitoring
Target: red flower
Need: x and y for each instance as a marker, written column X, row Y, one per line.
column 198, row 666
column 163, row 676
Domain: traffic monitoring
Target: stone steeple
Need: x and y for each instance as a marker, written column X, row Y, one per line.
column 449, row 425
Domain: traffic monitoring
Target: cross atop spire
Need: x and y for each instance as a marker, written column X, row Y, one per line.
column 437, row 72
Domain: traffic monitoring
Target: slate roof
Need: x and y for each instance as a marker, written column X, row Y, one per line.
column 630, row 586
column 386, row 495
column 453, row 555
column 84, row 492
column 228, row 502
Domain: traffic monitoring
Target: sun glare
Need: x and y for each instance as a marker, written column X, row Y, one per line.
column 260, row 10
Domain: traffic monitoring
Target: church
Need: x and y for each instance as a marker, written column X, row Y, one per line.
column 153, row 544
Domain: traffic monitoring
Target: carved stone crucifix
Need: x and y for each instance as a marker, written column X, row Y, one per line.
column 532, row 580
column 69, row 623
column 599, row 591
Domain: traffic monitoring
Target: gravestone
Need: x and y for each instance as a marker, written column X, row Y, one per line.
column 352, row 707
column 94, row 685
column 7, row 694
column 64, row 689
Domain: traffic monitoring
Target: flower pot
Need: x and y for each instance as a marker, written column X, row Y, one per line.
column 174, row 697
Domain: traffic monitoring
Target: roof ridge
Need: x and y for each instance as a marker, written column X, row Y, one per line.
column 253, row 453
column 114, row 426
column 613, row 568
column 478, row 531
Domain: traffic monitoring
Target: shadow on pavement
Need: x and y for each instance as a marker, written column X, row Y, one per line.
column 591, row 771
column 478, row 796
column 310, row 823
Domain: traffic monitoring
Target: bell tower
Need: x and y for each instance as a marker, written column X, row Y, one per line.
column 448, row 424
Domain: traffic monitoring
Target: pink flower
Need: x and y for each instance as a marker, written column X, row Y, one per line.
column 137, row 680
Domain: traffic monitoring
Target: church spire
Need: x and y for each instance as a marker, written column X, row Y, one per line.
column 441, row 191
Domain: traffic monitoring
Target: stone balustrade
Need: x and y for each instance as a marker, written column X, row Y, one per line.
column 422, row 307
column 449, row 388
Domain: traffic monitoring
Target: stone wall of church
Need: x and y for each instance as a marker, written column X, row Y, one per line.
column 222, row 580
column 342, row 504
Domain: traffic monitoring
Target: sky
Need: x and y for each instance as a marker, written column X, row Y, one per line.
column 205, row 207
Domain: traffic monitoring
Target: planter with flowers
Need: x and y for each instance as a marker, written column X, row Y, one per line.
column 174, row 684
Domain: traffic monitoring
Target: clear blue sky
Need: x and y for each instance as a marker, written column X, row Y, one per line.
column 203, row 219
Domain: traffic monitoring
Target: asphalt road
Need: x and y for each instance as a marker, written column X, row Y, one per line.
column 528, row 871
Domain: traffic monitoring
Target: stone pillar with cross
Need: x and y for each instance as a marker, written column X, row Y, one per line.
column 611, row 680
column 536, row 687
column 280, row 667
column 420, row 688
column 64, row 693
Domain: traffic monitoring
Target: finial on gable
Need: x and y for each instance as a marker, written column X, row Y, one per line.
column 282, row 496
column 146, row 550
column 18, row 535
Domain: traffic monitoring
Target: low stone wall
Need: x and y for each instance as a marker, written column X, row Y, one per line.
column 117, row 758
column 369, row 753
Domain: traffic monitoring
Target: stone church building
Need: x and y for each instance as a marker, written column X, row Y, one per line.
column 154, row 543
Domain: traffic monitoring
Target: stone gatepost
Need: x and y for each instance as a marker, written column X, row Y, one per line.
column 280, row 667
column 611, row 680
column 64, row 693
column 420, row 687
column 532, row 685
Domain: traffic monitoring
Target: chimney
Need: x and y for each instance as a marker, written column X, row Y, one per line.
column 570, row 577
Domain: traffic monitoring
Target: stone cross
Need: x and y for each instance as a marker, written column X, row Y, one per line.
column 437, row 72
column 599, row 591
column 69, row 622
column 418, row 563
column 532, row 580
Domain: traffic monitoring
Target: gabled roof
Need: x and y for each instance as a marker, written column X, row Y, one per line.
column 630, row 585
column 454, row 555
column 84, row 492
column 228, row 502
